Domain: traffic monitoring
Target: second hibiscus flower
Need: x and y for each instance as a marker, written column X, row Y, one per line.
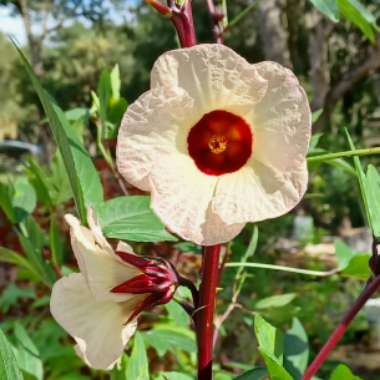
column 217, row 141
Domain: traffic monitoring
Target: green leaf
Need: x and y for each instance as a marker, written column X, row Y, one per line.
column 350, row 263
column 358, row 267
column 177, row 314
column 12, row 294
column 373, row 184
column 104, row 94
column 271, row 348
column 131, row 218
column 27, row 355
column 168, row 337
column 37, row 178
column 187, row 246
column 115, row 82
column 6, row 194
column 33, row 240
column 328, row 7
column 58, row 181
column 137, row 368
column 343, row 254
column 296, row 352
column 355, row 12
column 269, row 338
column 12, row 257
column 84, row 179
column 175, row 376
column 8, row 365
column 362, row 180
column 24, row 199
column 254, row 374
column 342, row 372
column 275, row 301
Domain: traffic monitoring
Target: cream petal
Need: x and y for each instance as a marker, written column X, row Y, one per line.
column 157, row 122
column 213, row 75
column 216, row 231
column 281, row 121
column 181, row 195
column 97, row 326
column 258, row 192
column 102, row 268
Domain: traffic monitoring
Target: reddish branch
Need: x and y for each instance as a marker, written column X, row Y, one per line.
column 204, row 317
column 339, row 331
column 156, row 4
column 216, row 19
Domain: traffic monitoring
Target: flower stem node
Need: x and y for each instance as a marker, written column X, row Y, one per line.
column 99, row 306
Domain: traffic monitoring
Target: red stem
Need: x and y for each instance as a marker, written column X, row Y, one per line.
column 204, row 317
column 163, row 9
column 184, row 24
column 339, row 331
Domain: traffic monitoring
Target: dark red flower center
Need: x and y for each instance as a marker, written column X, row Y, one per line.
column 220, row 143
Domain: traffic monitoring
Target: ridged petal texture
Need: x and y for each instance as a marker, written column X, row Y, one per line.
column 83, row 304
column 152, row 151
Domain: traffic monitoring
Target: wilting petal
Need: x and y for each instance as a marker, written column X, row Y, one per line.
column 102, row 269
column 181, row 195
column 213, row 75
column 156, row 123
column 281, row 121
column 97, row 326
column 257, row 192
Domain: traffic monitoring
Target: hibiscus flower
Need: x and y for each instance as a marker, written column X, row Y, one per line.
column 99, row 306
column 217, row 141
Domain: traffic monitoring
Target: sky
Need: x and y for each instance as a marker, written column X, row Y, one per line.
column 11, row 25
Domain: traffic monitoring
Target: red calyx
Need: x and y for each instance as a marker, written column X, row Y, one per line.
column 159, row 278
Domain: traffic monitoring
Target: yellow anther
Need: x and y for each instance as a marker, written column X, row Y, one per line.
column 218, row 144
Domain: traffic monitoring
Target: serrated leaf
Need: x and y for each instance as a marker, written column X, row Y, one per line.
column 84, row 179
column 296, row 352
column 280, row 300
column 131, row 218
column 8, row 365
column 328, row 7
column 137, row 366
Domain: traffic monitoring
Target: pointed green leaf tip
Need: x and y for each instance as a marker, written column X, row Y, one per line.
column 84, row 179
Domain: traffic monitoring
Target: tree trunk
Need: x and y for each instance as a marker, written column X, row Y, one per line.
column 273, row 32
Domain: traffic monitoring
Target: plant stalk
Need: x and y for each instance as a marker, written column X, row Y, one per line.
column 348, row 153
column 339, row 331
column 204, row 315
column 182, row 19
